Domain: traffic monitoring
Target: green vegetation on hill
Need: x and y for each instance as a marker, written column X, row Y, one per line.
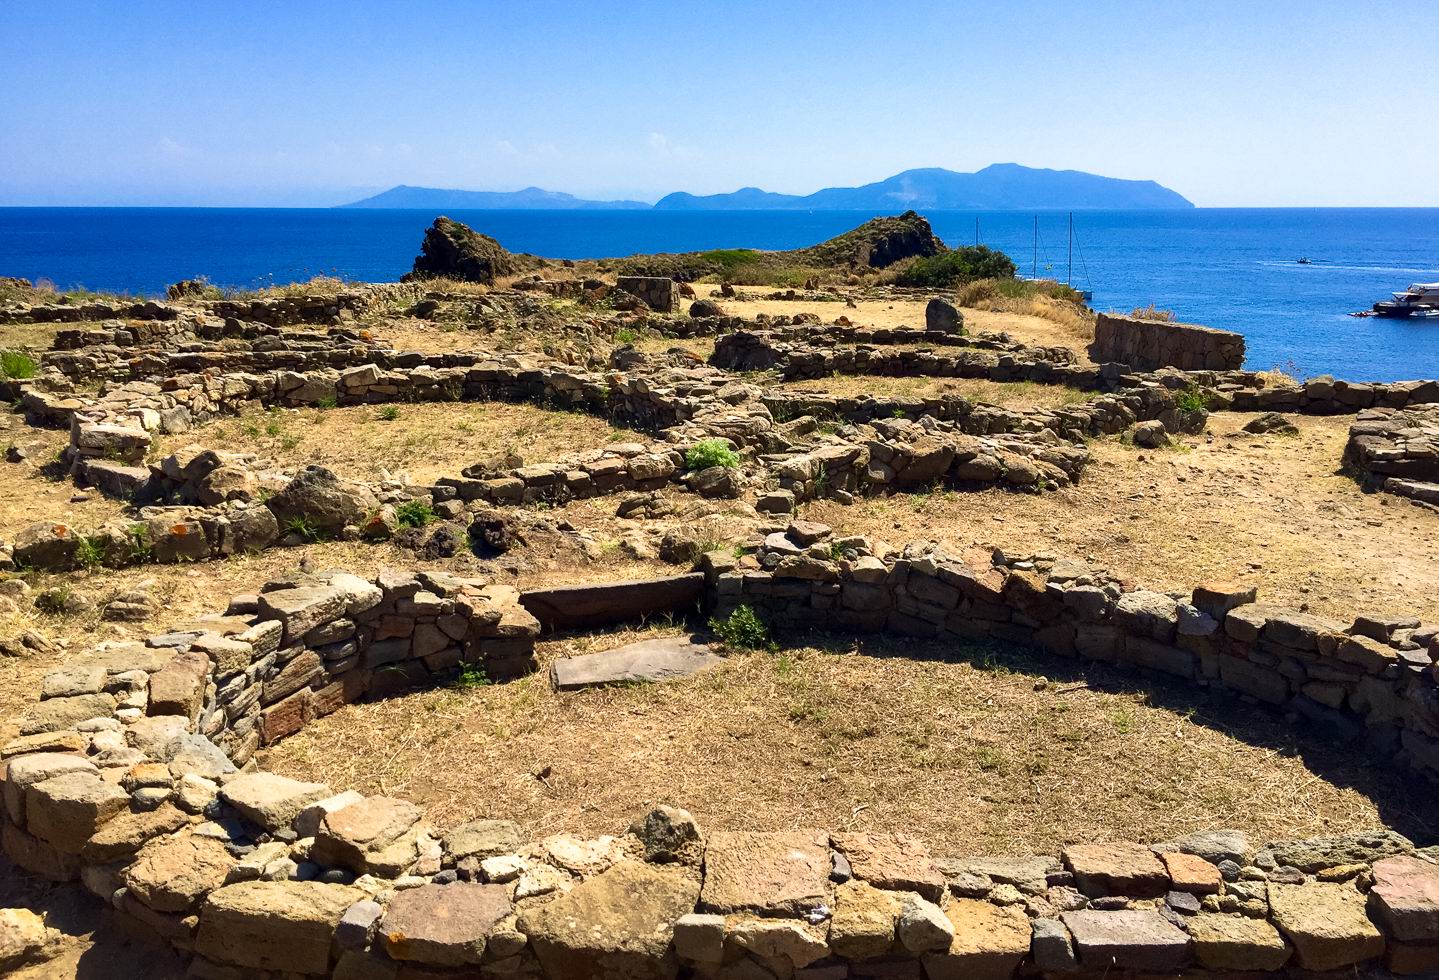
column 957, row 267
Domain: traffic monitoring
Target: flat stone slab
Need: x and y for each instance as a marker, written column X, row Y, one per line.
column 572, row 606
column 1234, row 942
column 1127, row 940
column 768, row 873
column 648, row 661
column 1326, row 923
column 1406, row 897
column 443, row 924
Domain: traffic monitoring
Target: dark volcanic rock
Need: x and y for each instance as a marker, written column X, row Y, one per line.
column 459, row 252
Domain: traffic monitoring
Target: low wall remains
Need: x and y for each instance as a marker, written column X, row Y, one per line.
column 134, row 775
column 1147, row 345
column 1397, row 452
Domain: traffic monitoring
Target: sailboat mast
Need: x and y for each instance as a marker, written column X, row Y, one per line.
column 1069, row 277
column 1034, row 269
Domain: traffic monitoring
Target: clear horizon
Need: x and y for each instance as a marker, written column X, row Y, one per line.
column 158, row 103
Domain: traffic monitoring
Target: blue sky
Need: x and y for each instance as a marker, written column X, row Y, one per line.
column 1272, row 103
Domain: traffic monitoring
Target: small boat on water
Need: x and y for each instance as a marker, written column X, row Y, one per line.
column 1304, row 261
column 1419, row 300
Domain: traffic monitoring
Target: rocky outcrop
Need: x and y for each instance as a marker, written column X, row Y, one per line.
column 456, row 251
column 877, row 243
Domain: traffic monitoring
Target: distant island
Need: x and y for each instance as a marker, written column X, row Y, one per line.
column 999, row 187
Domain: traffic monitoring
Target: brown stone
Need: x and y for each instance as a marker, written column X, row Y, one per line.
column 351, row 836
column 897, row 862
column 746, row 871
column 1192, row 874
column 175, row 874
column 862, row 926
column 445, row 925
column 273, row 925
column 128, row 832
column 989, row 942
column 616, row 924
column 179, row 687
column 66, row 810
column 1116, row 869
column 1236, row 942
column 1326, row 923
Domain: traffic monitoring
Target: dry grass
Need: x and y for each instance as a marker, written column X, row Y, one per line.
column 1269, row 511
column 425, row 440
column 960, row 746
column 1018, row 395
column 1152, row 312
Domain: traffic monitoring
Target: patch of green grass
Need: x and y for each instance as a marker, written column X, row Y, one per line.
column 415, row 513
column 303, row 527
column 626, row 335
column 742, row 630
column 1122, row 719
column 389, row 413
column 328, row 402
column 710, row 452
column 89, row 552
column 730, row 259
column 991, row 760
column 16, row 365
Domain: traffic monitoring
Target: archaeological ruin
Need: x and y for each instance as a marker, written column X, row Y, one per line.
column 136, row 765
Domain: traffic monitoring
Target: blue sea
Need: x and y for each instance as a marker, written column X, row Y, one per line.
column 1231, row 268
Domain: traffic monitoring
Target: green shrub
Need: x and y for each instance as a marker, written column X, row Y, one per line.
column 626, row 335
column 328, row 402
column 710, row 452
column 742, row 630
column 1190, row 400
column 415, row 513
column 389, row 413
column 471, row 675
column 958, row 266
column 16, row 365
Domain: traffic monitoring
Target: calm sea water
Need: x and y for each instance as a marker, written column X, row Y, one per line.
column 1232, row 268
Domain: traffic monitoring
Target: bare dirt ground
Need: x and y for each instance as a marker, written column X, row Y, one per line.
column 427, row 441
column 901, row 311
column 1271, row 511
column 964, row 747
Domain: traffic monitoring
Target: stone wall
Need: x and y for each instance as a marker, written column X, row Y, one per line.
column 276, row 311
column 1148, row 345
column 134, row 775
column 1397, row 452
column 1372, row 679
column 659, row 293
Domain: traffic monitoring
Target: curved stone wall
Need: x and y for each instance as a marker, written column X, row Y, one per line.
column 126, row 779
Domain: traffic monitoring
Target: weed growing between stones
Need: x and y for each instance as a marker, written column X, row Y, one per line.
column 742, row 630
column 710, row 452
column 415, row 513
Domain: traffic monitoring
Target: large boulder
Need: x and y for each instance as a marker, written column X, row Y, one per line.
column 457, row 251
column 320, row 502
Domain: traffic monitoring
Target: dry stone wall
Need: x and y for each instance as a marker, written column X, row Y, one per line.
column 1397, row 452
column 1148, row 345
column 135, row 776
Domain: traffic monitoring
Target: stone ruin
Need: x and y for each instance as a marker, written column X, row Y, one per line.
column 1152, row 344
column 135, row 774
